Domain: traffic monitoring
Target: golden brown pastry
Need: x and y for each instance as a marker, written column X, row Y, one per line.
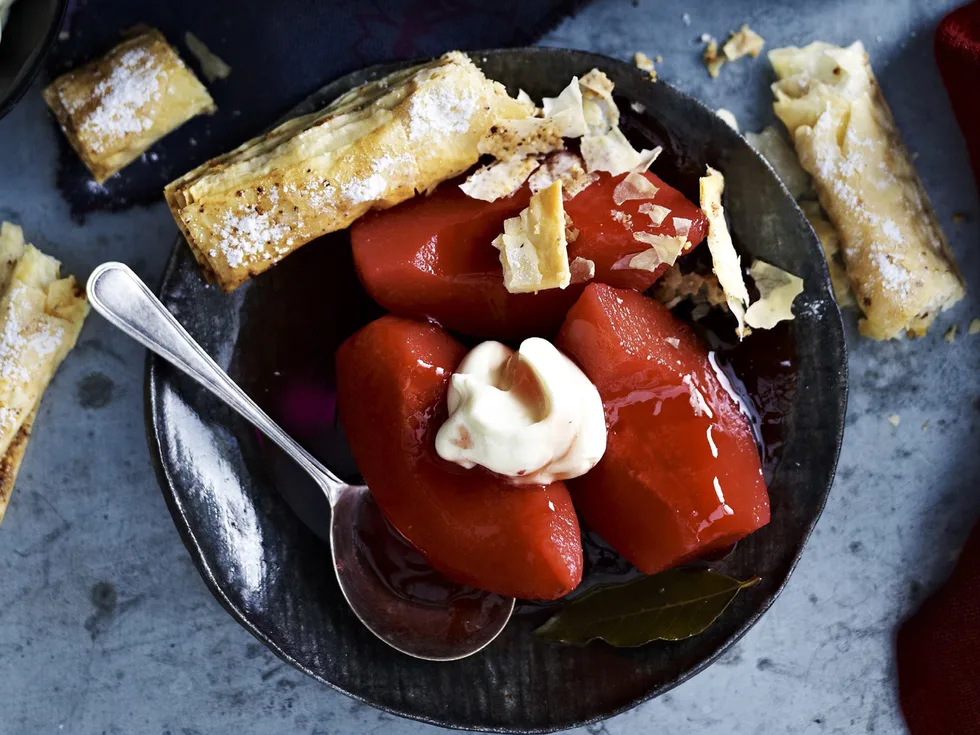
column 895, row 252
column 41, row 315
column 116, row 107
column 372, row 148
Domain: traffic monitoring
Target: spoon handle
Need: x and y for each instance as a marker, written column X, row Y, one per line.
column 124, row 300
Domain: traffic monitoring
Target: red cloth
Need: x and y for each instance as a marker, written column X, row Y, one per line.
column 958, row 58
column 938, row 648
column 939, row 653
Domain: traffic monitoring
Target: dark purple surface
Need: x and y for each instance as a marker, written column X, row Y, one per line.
column 279, row 52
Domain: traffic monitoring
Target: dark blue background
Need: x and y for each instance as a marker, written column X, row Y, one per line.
column 279, row 52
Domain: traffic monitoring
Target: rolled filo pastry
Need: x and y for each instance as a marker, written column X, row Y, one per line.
column 896, row 255
column 372, row 148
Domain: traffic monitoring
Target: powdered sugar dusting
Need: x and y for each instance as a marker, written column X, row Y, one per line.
column 894, row 276
column 366, row 190
column 374, row 187
column 317, row 193
column 892, row 231
column 22, row 345
column 135, row 81
column 839, row 168
column 243, row 236
column 439, row 110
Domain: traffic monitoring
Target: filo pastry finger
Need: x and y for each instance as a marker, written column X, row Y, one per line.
column 41, row 315
column 896, row 255
column 371, row 149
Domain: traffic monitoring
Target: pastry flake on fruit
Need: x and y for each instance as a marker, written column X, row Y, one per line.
column 499, row 179
column 41, row 315
column 655, row 212
column 530, row 416
column 662, row 250
column 581, row 270
column 613, row 153
column 726, row 263
column 566, row 166
column 566, row 109
column 634, row 186
column 682, row 227
column 373, row 147
column 533, row 246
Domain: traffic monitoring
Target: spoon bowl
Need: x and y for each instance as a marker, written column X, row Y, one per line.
column 446, row 628
column 452, row 626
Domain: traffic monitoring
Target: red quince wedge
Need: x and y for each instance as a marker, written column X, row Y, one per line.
column 432, row 258
column 475, row 528
column 681, row 476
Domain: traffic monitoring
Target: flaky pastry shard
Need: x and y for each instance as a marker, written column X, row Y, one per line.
column 41, row 315
column 372, row 148
column 116, row 107
column 895, row 252
column 534, row 245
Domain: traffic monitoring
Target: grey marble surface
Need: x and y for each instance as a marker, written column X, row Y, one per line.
column 105, row 626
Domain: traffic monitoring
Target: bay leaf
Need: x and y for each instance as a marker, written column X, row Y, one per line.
column 669, row 606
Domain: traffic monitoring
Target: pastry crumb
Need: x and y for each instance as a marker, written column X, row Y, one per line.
column 713, row 61
column 642, row 61
column 686, row 19
column 702, row 289
column 950, row 335
column 925, row 426
column 974, row 327
column 645, row 63
column 743, row 42
column 212, row 66
column 894, row 419
column 959, row 217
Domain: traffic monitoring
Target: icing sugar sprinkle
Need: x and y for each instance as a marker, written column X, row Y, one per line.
column 366, row 190
column 439, row 110
column 17, row 343
column 374, row 187
column 243, row 236
column 134, row 81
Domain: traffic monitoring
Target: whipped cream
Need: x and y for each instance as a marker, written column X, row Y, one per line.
column 531, row 415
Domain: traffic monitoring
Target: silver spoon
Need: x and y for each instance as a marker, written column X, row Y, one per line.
column 434, row 632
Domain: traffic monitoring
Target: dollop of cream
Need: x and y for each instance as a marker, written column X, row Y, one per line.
column 531, row 416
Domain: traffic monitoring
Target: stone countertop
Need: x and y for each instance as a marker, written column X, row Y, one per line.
column 106, row 627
